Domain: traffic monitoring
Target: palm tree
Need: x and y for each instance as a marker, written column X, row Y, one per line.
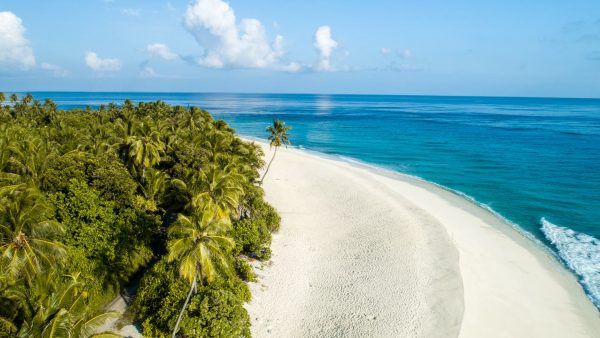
column 2, row 98
column 200, row 245
column 145, row 149
column 278, row 135
column 62, row 310
column 27, row 99
column 215, row 192
column 156, row 182
column 27, row 244
column 31, row 158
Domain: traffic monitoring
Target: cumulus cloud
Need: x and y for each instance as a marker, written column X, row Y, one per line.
column 98, row 64
column 161, row 50
column 14, row 47
column 325, row 46
column 229, row 44
column 54, row 69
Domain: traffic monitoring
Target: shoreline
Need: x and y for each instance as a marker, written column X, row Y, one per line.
column 523, row 277
column 497, row 220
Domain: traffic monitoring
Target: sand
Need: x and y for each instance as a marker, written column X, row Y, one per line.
column 364, row 253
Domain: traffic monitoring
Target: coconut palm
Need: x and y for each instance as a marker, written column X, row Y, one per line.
column 31, row 158
column 27, row 99
column 27, row 235
column 152, row 188
column 214, row 192
column 278, row 135
column 200, row 246
column 144, row 149
column 61, row 309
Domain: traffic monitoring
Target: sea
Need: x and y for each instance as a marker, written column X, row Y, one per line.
column 533, row 161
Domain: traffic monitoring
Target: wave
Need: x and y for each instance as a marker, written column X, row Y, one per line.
column 580, row 252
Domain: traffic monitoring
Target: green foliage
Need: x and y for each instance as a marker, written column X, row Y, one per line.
column 215, row 310
column 104, row 173
column 215, row 313
column 90, row 221
column 93, row 193
column 244, row 270
column 111, row 178
column 103, row 240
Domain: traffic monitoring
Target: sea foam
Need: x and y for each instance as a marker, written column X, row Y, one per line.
column 580, row 252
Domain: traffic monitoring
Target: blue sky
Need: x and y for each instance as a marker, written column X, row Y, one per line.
column 500, row 48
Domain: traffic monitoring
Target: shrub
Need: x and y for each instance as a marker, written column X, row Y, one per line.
column 244, row 270
column 215, row 310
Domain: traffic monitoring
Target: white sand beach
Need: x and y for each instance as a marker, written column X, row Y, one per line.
column 363, row 253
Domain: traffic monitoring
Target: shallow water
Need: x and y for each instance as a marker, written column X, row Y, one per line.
column 528, row 159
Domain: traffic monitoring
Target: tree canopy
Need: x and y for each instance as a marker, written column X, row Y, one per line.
column 92, row 198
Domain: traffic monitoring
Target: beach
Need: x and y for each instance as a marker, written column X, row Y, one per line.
column 367, row 253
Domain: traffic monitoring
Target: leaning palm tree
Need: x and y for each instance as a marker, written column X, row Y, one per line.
column 199, row 245
column 27, row 235
column 278, row 135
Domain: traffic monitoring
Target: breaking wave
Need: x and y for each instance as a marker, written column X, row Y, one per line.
column 580, row 252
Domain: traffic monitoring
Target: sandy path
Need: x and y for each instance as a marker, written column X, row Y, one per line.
column 361, row 254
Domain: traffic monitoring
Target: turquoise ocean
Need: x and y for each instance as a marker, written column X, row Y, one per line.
column 533, row 161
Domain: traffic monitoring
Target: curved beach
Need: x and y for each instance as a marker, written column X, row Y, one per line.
column 365, row 253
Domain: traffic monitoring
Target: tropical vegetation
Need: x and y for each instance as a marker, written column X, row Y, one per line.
column 92, row 200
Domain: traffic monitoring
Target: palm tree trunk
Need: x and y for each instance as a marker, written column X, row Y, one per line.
column 269, row 166
column 192, row 288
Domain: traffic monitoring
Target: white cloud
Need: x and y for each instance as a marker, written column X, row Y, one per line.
column 131, row 11
column 228, row 44
column 101, row 65
column 14, row 47
column 54, row 69
column 161, row 50
column 292, row 67
column 325, row 46
column 148, row 72
column 399, row 60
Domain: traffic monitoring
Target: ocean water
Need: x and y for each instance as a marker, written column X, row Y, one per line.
column 535, row 161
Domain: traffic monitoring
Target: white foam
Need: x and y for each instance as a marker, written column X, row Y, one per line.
column 580, row 252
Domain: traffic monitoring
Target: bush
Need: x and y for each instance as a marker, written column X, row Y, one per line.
column 110, row 246
column 215, row 310
column 251, row 237
column 111, row 178
column 244, row 270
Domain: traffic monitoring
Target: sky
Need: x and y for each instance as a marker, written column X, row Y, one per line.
column 417, row 47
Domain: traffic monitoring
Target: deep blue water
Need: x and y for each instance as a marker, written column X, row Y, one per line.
column 528, row 159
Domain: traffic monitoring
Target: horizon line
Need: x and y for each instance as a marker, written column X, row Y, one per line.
column 297, row 93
